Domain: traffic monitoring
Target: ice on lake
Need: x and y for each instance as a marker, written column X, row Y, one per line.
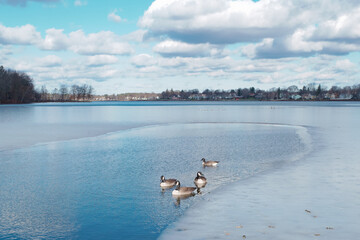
column 95, row 170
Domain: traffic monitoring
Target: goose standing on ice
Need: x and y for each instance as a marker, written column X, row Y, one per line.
column 209, row 163
column 200, row 180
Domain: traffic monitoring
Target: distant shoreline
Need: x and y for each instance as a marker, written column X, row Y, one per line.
column 242, row 100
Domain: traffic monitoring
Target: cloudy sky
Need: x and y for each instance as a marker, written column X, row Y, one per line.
column 144, row 45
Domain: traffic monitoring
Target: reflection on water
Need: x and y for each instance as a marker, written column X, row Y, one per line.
column 108, row 187
column 178, row 199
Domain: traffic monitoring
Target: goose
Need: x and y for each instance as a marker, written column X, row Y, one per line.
column 209, row 163
column 182, row 191
column 200, row 179
column 167, row 183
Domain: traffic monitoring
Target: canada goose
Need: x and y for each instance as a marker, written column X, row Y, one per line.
column 200, row 179
column 182, row 191
column 167, row 183
column 209, row 163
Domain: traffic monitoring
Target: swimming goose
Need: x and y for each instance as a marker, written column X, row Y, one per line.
column 167, row 183
column 182, row 191
column 209, row 163
column 200, row 179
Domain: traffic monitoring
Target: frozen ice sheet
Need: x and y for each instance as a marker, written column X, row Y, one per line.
column 316, row 198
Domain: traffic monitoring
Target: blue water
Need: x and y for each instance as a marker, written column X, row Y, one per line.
column 94, row 171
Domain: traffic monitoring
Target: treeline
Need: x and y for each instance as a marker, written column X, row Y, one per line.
column 310, row 92
column 17, row 87
column 75, row 93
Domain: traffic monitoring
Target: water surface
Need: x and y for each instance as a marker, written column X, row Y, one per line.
column 108, row 186
column 61, row 177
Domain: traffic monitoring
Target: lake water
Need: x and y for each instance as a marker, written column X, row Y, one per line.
column 92, row 170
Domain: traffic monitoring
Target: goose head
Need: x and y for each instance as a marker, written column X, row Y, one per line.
column 199, row 174
column 177, row 185
column 162, row 178
column 203, row 160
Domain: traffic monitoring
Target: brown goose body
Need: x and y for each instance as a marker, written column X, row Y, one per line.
column 166, row 183
column 182, row 191
column 200, row 179
column 209, row 163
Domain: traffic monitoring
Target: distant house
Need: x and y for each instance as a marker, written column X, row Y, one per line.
column 259, row 96
column 295, row 97
column 197, row 97
column 308, row 96
column 345, row 96
column 333, row 96
column 230, row 96
column 175, row 97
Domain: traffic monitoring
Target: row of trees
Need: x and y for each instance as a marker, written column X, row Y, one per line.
column 18, row 87
column 15, row 87
column 310, row 92
column 66, row 94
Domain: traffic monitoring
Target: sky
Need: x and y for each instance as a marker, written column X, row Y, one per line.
column 149, row 46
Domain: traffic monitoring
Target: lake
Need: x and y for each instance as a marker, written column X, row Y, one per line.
column 92, row 170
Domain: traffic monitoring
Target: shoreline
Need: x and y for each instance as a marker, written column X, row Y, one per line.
column 185, row 100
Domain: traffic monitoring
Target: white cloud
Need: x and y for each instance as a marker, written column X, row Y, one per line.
column 55, row 39
column 345, row 27
column 276, row 28
column 345, row 65
column 170, row 48
column 104, row 42
column 136, row 36
column 23, row 35
column 113, row 17
column 143, row 60
column 5, row 50
column 222, row 21
column 299, row 44
column 101, row 60
column 50, row 61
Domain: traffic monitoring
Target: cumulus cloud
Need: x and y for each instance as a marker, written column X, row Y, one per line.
column 136, row 36
column 114, row 17
column 101, row 60
column 344, row 65
column 143, row 60
column 274, row 28
column 50, row 61
column 104, row 42
column 222, row 21
column 345, row 27
column 55, row 39
column 301, row 43
column 170, row 48
column 23, row 35
column 5, row 52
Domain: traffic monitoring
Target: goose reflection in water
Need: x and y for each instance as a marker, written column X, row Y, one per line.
column 179, row 198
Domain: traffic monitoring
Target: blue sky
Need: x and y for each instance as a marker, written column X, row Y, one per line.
column 149, row 46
